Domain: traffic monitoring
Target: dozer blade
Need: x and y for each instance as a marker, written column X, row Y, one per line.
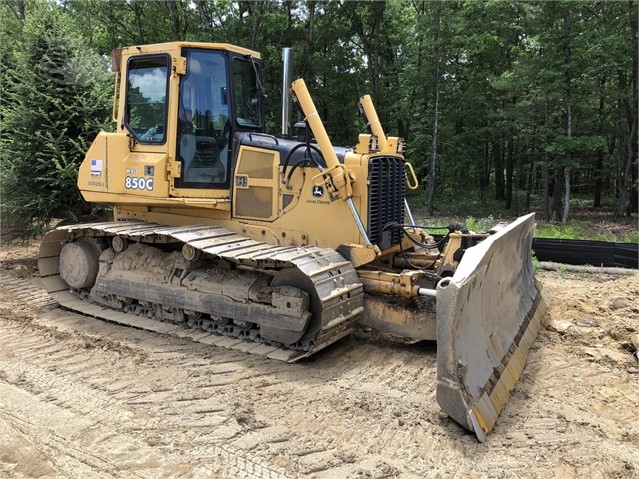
column 488, row 316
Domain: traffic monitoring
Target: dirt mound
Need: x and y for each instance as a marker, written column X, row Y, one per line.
column 597, row 314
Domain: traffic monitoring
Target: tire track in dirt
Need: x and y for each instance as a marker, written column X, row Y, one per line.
column 353, row 370
column 27, row 291
column 144, row 426
column 50, row 366
column 46, row 407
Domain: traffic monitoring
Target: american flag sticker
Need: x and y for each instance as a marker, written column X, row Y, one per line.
column 96, row 167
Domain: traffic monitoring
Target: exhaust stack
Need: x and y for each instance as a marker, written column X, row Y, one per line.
column 287, row 79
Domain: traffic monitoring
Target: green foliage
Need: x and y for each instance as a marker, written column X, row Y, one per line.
column 480, row 225
column 561, row 271
column 529, row 92
column 630, row 238
column 584, row 230
column 56, row 97
column 535, row 262
column 462, row 204
column 572, row 230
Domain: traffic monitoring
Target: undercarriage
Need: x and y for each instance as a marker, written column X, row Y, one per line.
column 293, row 300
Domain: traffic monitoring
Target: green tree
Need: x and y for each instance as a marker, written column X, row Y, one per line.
column 539, row 97
column 56, row 97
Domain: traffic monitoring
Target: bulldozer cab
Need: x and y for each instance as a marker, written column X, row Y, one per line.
column 192, row 110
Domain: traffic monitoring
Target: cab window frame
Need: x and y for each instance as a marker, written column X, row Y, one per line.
column 183, row 182
column 250, row 62
column 139, row 58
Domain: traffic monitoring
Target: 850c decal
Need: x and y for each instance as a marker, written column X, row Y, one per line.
column 138, row 183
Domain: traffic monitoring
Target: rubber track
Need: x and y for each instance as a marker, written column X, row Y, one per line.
column 334, row 278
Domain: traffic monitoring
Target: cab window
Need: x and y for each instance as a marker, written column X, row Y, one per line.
column 247, row 94
column 146, row 98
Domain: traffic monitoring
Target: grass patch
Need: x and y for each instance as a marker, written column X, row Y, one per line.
column 467, row 206
column 560, row 272
column 571, row 230
column 584, row 230
column 585, row 223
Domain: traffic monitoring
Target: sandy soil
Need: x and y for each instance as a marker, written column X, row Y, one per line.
column 84, row 398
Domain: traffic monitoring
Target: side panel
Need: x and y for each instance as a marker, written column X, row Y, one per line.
column 256, row 184
column 110, row 167
column 412, row 318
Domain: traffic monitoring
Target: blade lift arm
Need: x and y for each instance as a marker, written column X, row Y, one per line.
column 336, row 178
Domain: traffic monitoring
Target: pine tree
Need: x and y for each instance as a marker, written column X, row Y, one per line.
column 55, row 98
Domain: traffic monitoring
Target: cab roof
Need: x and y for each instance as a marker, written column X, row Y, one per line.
column 176, row 46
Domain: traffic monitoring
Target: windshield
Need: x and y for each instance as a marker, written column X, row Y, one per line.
column 248, row 95
column 147, row 84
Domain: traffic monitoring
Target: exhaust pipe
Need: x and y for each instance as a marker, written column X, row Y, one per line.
column 287, row 79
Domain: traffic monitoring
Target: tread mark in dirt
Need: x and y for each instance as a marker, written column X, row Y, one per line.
column 104, row 413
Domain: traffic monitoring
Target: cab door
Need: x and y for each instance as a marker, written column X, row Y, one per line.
column 219, row 95
column 203, row 132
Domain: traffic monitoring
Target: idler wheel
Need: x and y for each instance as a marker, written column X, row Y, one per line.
column 79, row 264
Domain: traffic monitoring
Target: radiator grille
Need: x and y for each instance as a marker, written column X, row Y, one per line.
column 386, row 192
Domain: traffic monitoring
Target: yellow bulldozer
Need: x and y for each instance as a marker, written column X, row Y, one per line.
column 282, row 245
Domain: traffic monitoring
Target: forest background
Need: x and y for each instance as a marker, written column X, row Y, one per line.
column 507, row 105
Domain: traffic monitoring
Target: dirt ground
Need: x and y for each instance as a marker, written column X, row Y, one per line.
column 84, row 398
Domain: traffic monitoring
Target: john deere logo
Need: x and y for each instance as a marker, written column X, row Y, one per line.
column 318, row 191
